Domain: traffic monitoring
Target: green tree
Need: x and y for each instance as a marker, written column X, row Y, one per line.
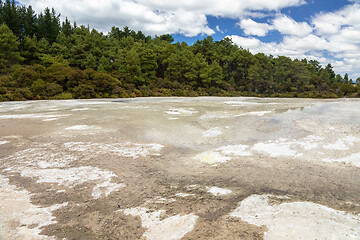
column 199, row 72
column 48, row 60
column 49, row 25
column 338, row 78
column 206, row 47
column 329, row 69
column 216, row 74
column 30, row 50
column 11, row 16
column 167, row 38
column 30, row 21
column 104, row 64
column 132, row 67
column 179, row 64
column 91, row 61
column 66, row 28
column 148, row 63
column 314, row 66
column 9, row 53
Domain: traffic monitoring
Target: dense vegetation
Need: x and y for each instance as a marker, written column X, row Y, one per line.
column 42, row 58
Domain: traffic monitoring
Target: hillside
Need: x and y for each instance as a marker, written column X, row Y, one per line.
column 43, row 58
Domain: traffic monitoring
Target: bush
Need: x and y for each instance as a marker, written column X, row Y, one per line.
column 53, row 89
column 84, row 91
column 25, row 76
column 75, row 77
column 56, row 73
column 63, row 95
column 39, row 88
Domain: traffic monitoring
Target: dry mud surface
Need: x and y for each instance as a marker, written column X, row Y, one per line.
column 180, row 168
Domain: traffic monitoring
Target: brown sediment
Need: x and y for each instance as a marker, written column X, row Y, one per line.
column 132, row 156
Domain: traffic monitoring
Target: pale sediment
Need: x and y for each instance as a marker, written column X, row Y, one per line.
column 180, row 168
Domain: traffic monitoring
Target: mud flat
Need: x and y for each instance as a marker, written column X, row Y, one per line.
column 180, row 168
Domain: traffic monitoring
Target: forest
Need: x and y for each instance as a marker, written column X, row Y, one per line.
column 44, row 58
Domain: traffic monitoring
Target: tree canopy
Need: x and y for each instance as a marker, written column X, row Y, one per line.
column 44, row 58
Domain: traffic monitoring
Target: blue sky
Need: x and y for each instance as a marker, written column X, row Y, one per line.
column 326, row 31
column 299, row 13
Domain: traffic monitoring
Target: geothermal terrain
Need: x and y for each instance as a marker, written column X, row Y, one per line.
column 180, row 168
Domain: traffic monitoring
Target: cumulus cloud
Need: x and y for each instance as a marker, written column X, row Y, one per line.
column 330, row 37
column 282, row 23
column 285, row 48
column 329, row 23
column 287, row 25
column 309, row 47
column 251, row 27
column 187, row 17
column 342, row 30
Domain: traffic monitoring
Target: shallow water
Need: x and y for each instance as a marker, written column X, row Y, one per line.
column 340, row 111
column 133, row 166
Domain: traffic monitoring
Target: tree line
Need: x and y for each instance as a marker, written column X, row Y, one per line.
column 44, row 58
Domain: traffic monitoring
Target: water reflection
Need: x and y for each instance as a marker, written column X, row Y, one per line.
column 332, row 111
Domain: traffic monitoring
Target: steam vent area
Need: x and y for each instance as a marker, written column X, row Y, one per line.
column 180, row 168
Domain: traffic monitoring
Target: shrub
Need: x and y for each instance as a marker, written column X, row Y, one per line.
column 84, row 91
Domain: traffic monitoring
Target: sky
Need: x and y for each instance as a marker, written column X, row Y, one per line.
column 324, row 30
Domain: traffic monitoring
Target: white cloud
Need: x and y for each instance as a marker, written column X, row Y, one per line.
column 253, row 28
column 348, row 35
column 291, row 46
column 218, row 29
column 253, row 44
column 311, row 47
column 333, row 22
column 332, row 37
column 287, row 25
column 282, row 23
column 328, row 23
column 306, row 44
column 257, row 14
column 157, row 16
column 342, row 30
column 225, row 8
